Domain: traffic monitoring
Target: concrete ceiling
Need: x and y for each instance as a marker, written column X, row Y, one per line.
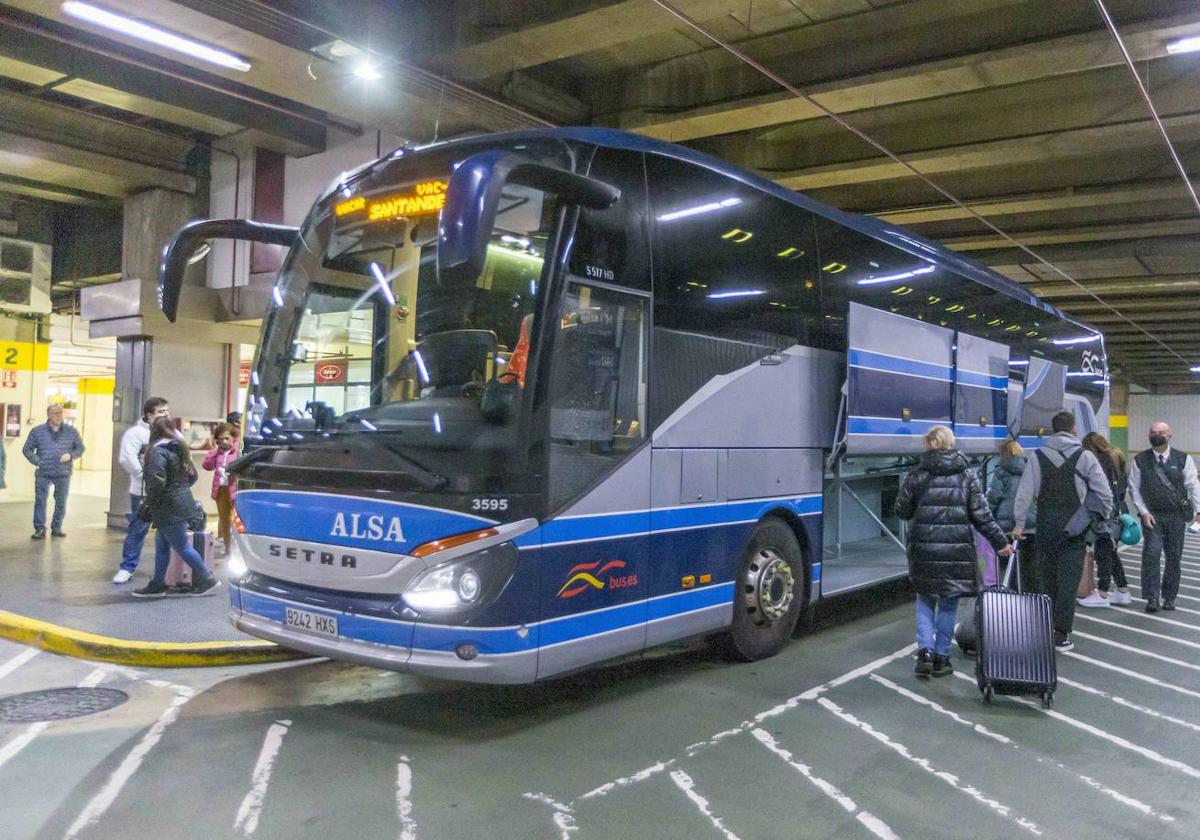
column 1023, row 109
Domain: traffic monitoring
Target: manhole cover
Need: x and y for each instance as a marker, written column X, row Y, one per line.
column 58, row 703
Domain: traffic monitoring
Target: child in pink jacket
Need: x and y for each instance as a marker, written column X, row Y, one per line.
column 224, row 486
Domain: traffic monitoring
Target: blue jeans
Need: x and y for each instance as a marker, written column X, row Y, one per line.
column 175, row 536
column 935, row 622
column 41, row 490
column 135, row 536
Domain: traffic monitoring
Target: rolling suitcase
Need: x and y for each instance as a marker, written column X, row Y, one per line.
column 179, row 573
column 1015, row 642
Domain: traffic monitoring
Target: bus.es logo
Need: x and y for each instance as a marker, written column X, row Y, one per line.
column 593, row 575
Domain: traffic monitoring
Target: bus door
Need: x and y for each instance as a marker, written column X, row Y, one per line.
column 595, row 550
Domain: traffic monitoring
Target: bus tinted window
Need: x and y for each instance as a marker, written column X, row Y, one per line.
column 611, row 244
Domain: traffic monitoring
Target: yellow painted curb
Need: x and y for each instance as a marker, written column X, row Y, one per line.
column 83, row 645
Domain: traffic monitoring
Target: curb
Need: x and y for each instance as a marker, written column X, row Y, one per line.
column 81, row 645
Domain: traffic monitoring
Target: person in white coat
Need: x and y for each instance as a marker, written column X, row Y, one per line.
column 133, row 445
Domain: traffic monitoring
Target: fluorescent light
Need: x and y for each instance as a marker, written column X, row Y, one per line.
column 1195, row 368
column 421, row 369
column 745, row 293
column 277, row 295
column 702, row 208
column 1080, row 373
column 1184, row 45
column 383, row 283
column 154, row 35
column 1083, row 339
column 437, row 423
column 367, row 70
column 1018, row 362
column 893, row 278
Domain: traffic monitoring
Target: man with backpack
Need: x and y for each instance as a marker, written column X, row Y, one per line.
column 1166, row 494
column 1071, row 491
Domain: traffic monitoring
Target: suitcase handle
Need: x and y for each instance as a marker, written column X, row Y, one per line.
column 1013, row 564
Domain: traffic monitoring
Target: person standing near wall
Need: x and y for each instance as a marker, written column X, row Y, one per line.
column 224, row 485
column 52, row 447
column 1166, row 493
column 133, row 447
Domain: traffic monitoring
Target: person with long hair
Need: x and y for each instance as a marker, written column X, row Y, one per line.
column 1108, row 561
column 168, row 477
column 224, row 485
column 945, row 501
column 1002, row 496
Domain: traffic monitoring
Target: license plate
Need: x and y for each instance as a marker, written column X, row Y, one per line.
column 312, row 622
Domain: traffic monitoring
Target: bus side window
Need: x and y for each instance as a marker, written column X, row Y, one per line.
column 611, row 244
column 597, row 388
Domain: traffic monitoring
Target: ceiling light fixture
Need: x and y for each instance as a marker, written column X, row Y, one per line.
column 1086, row 339
column 698, row 209
column 368, row 71
column 154, row 35
column 745, row 293
column 892, row 278
column 1184, row 45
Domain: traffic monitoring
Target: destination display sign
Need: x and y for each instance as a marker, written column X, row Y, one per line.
column 420, row 199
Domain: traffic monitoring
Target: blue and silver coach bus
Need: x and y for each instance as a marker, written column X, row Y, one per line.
column 530, row 401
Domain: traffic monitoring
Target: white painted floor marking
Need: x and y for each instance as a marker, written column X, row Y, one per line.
column 1162, row 619
column 745, row 726
column 1130, row 629
column 1129, row 704
column 1116, row 740
column 1134, row 674
column 103, row 800
column 684, row 782
column 564, row 816
column 17, row 661
column 27, row 736
column 873, row 824
column 1142, row 651
column 924, row 763
column 925, row 701
column 404, row 806
column 1115, row 795
column 251, row 807
column 1183, row 598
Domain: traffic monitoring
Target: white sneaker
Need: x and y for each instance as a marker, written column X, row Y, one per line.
column 1117, row 598
column 122, row 576
column 1093, row 600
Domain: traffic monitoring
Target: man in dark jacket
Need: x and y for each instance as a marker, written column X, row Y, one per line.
column 51, row 447
column 945, row 502
column 1060, row 478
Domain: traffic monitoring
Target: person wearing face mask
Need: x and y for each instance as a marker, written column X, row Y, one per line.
column 1166, row 493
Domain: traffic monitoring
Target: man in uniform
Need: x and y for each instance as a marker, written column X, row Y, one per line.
column 1166, row 493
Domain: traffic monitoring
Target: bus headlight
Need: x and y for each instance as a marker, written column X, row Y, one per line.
column 234, row 562
column 462, row 584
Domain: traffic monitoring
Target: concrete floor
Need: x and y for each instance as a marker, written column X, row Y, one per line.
column 833, row 738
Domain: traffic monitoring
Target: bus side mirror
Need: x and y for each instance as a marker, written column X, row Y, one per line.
column 191, row 238
column 473, row 197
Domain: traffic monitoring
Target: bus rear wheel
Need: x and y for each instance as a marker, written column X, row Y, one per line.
column 769, row 593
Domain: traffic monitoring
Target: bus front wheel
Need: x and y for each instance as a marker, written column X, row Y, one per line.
column 769, row 593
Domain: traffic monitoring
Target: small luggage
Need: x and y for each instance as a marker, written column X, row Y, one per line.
column 1015, row 641
column 179, row 573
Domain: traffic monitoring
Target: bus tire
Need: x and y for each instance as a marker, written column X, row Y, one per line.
column 768, row 593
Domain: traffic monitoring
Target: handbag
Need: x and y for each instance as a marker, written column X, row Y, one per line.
column 197, row 521
column 144, row 512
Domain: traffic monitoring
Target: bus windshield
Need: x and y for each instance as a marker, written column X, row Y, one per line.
column 364, row 339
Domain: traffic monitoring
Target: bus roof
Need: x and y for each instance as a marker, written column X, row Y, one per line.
column 878, row 229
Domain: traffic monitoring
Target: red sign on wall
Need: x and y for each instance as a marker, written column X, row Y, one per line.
column 331, row 373
column 8, row 379
column 243, row 376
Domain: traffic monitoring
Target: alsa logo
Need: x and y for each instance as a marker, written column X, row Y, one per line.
column 375, row 527
column 592, row 575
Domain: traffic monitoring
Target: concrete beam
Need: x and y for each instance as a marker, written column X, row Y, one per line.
column 745, row 109
column 1148, row 285
column 599, row 27
column 1081, row 142
column 1091, row 233
column 1006, row 256
column 1060, row 200
column 76, row 168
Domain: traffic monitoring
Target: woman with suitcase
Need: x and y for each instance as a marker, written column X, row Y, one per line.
column 167, row 480
column 944, row 500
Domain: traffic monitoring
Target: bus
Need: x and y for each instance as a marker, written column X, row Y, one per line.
column 530, row 401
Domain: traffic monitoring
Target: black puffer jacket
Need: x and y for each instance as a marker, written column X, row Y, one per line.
column 945, row 502
column 168, row 478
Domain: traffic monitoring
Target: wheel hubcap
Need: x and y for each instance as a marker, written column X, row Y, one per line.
column 770, row 587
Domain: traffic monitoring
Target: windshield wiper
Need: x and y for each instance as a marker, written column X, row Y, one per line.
column 424, row 476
